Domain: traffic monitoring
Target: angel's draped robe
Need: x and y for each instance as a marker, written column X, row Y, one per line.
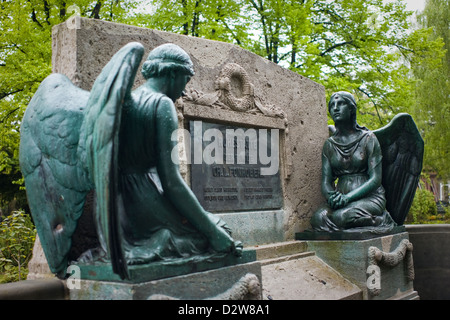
column 152, row 227
column 350, row 164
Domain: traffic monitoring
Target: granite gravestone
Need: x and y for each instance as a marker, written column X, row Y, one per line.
column 235, row 181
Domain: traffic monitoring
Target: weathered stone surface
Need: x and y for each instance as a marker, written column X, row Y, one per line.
column 306, row 278
column 38, row 267
column 351, row 259
column 195, row 286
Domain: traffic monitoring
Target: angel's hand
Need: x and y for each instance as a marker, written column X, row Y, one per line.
column 343, row 201
column 332, row 195
column 338, row 200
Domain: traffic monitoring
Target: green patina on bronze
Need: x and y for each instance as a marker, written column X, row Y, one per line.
column 117, row 142
column 368, row 178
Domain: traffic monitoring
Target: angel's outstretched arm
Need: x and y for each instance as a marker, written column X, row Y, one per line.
column 175, row 188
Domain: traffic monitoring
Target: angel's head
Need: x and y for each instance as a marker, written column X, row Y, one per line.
column 342, row 108
column 340, row 104
column 171, row 66
column 166, row 59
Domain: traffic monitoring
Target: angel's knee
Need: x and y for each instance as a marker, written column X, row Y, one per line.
column 320, row 219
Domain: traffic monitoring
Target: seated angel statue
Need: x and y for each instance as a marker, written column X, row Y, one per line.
column 117, row 142
column 162, row 216
column 353, row 157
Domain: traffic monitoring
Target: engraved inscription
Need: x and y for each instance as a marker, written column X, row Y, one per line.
column 238, row 179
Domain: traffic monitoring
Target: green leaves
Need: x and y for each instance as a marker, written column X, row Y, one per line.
column 25, row 60
column 431, row 70
column 17, row 236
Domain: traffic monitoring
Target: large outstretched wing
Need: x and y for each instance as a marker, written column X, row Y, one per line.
column 55, row 181
column 402, row 148
column 99, row 139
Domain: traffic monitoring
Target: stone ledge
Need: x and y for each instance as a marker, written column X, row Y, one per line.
column 160, row 270
column 306, row 278
column 345, row 235
column 195, row 286
column 279, row 249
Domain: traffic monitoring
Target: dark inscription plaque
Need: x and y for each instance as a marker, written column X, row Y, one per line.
column 227, row 171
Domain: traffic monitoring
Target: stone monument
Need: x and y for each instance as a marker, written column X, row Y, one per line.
column 78, row 43
column 259, row 179
column 249, row 145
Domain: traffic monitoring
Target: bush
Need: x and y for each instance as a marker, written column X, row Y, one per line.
column 17, row 235
column 423, row 207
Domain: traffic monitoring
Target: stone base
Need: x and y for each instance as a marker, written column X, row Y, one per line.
column 38, row 268
column 160, row 270
column 240, row 282
column 391, row 271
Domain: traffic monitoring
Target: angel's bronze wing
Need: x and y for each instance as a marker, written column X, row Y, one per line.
column 69, row 145
column 402, row 147
column 55, row 182
column 100, row 139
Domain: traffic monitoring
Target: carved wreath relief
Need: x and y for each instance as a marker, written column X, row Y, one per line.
column 233, row 76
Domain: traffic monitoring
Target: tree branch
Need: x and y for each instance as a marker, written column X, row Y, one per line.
column 6, row 94
column 196, row 19
column 238, row 41
column 260, row 10
column 374, row 103
column 34, row 18
column 96, row 12
column 337, row 45
column 9, row 114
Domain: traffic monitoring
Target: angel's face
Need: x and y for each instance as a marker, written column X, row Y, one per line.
column 340, row 110
column 177, row 86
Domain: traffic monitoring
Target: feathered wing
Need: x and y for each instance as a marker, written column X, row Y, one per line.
column 402, row 147
column 99, row 145
column 55, row 181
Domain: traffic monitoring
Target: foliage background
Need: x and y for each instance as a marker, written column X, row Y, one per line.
column 17, row 236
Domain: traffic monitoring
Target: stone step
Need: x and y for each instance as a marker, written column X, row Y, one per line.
column 279, row 250
column 291, row 272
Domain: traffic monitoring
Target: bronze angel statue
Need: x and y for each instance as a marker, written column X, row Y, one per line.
column 116, row 141
column 377, row 172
